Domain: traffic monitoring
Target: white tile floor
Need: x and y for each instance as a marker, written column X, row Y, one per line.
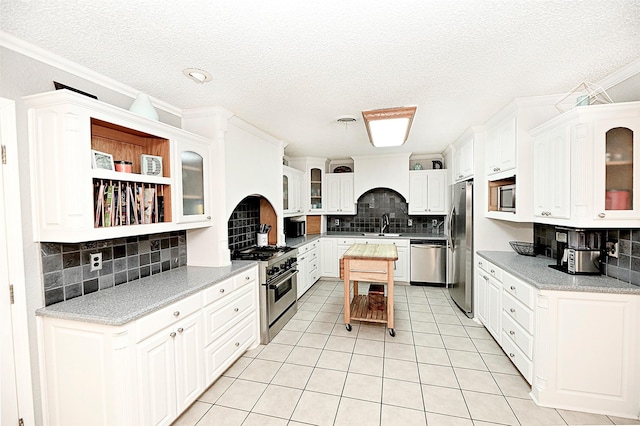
column 440, row 369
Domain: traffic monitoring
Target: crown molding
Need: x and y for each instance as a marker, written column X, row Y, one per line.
column 620, row 75
column 20, row 46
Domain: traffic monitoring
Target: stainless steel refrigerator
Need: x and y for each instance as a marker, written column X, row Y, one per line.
column 460, row 233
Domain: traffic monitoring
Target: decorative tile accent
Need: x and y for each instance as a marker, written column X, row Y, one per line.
column 625, row 268
column 373, row 204
column 67, row 271
column 244, row 223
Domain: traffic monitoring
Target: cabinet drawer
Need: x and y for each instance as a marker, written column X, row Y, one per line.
column 487, row 266
column 495, row 272
column 518, row 289
column 166, row 316
column 245, row 277
column 516, row 310
column 516, row 356
column 345, row 241
column 222, row 315
column 517, row 334
column 218, row 291
column 224, row 351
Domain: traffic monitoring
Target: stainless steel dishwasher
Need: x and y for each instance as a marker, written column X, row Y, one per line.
column 428, row 262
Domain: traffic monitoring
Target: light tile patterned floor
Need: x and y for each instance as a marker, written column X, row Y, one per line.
column 441, row 368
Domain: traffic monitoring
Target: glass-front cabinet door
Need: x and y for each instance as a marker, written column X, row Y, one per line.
column 285, row 193
column 192, row 199
column 315, row 188
column 617, row 153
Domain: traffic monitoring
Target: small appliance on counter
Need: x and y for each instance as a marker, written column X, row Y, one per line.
column 294, row 228
column 578, row 251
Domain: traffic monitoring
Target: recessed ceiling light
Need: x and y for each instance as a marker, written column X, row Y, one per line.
column 346, row 119
column 197, row 75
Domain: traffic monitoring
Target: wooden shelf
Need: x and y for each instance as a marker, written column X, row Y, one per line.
column 129, row 177
column 619, row 163
column 360, row 310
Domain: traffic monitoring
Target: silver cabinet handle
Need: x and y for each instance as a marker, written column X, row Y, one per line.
column 176, row 314
column 513, row 311
column 601, row 215
column 237, row 343
column 180, row 330
column 247, row 278
column 480, row 263
column 222, row 290
column 511, row 332
column 172, row 334
column 493, row 271
column 235, row 309
column 512, row 355
column 208, row 217
column 512, row 287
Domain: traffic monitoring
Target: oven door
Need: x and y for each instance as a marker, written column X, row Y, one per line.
column 282, row 294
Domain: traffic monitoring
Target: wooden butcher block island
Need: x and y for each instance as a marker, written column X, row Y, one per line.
column 370, row 263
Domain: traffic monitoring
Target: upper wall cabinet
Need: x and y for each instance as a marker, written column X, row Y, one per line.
column 501, row 146
column 339, row 189
column 313, row 193
column 463, row 160
column 429, row 192
column 160, row 181
column 292, row 181
column 598, row 146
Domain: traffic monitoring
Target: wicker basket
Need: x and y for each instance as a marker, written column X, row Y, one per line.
column 525, row 249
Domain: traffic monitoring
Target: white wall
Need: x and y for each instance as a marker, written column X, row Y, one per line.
column 381, row 171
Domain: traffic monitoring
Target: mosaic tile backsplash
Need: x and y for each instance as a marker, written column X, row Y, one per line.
column 373, row 204
column 625, row 268
column 244, row 223
column 67, row 271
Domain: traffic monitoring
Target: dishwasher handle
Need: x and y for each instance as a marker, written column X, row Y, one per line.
column 428, row 246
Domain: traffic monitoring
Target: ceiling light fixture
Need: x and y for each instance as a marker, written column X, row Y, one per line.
column 389, row 126
column 346, row 120
column 197, row 75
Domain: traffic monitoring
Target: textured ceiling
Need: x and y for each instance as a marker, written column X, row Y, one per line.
column 292, row 67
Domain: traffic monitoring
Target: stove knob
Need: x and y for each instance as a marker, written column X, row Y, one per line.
column 275, row 269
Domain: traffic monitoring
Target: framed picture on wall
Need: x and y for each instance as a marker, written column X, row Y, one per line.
column 101, row 160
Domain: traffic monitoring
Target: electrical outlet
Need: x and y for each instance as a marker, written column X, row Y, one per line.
column 96, row 261
column 434, row 222
column 336, row 222
column 409, row 222
column 612, row 249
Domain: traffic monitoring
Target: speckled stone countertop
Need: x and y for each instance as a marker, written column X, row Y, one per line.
column 536, row 271
column 130, row 301
column 299, row 241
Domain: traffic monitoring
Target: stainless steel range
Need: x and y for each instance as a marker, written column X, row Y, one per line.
column 278, row 286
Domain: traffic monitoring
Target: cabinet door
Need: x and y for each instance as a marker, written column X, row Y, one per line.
column 541, row 173
column 436, row 193
column 617, row 159
column 329, row 257
column 192, row 199
column 333, row 193
column 157, row 378
column 295, row 192
column 501, row 147
column 316, row 188
column 285, row 193
column 401, row 271
column 494, row 308
column 303, row 274
column 347, row 203
column 481, row 284
column 189, row 368
column 418, row 182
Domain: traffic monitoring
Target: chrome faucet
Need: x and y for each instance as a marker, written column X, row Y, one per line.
column 384, row 223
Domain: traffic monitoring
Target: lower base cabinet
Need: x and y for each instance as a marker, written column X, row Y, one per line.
column 309, row 266
column 148, row 371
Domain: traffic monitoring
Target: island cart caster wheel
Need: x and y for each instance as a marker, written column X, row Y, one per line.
column 348, row 327
column 392, row 332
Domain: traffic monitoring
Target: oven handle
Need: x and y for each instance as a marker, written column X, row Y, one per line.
column 283, row 280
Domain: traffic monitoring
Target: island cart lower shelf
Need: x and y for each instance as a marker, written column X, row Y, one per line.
column 370, row 263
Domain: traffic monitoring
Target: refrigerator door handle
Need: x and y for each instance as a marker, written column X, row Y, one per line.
column 450, row 229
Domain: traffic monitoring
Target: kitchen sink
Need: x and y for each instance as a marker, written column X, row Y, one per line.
column 376, row 234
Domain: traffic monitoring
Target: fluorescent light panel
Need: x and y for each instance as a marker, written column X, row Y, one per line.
column 390, row 126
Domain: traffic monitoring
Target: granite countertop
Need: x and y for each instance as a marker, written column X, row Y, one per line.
column 299, row 241
column 536, row 271
column 127, row 302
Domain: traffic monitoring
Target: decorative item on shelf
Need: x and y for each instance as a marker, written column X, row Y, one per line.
column 342, row 169
column 523, row 248
column 101, row 160
column 436, row 164
column 123, row 166
column 417, row 166
column 151, row 165
column 143, row 106
column 585, row 94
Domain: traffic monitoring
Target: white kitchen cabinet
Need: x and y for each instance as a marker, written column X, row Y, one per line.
column 339, row 190
column 308, row 266
column 330, row 262
column 314, row 185
column 64, row 128
column 600, row 151
column 292, row 181
column 518, row 323
column 170, row 370
column 552, row 176
column 401, row 267
column 428, row 191
column 463, row 160
column 192, row 182
column 501, row 146
column 492, row 285
column 147, row 371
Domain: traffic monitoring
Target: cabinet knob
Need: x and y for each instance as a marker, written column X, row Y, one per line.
column 512, row 355
column 176, row 314
column 480, row 263
column 172, row 334
column 493, row 271
column 601, row 215
column 222, row 290
column 180, row 330
column 485, row 277
column 512, row 287
column 247, row 278
column 235, row 309
column 513, row 311
column 237, row 343
column 511, row 332
column 208, row 217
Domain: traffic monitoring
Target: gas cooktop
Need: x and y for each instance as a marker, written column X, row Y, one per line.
column 264, row 253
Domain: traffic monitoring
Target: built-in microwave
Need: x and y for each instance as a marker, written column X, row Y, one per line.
column 502, row 195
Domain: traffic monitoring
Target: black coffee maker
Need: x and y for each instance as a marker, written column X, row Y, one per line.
column 578, row 251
